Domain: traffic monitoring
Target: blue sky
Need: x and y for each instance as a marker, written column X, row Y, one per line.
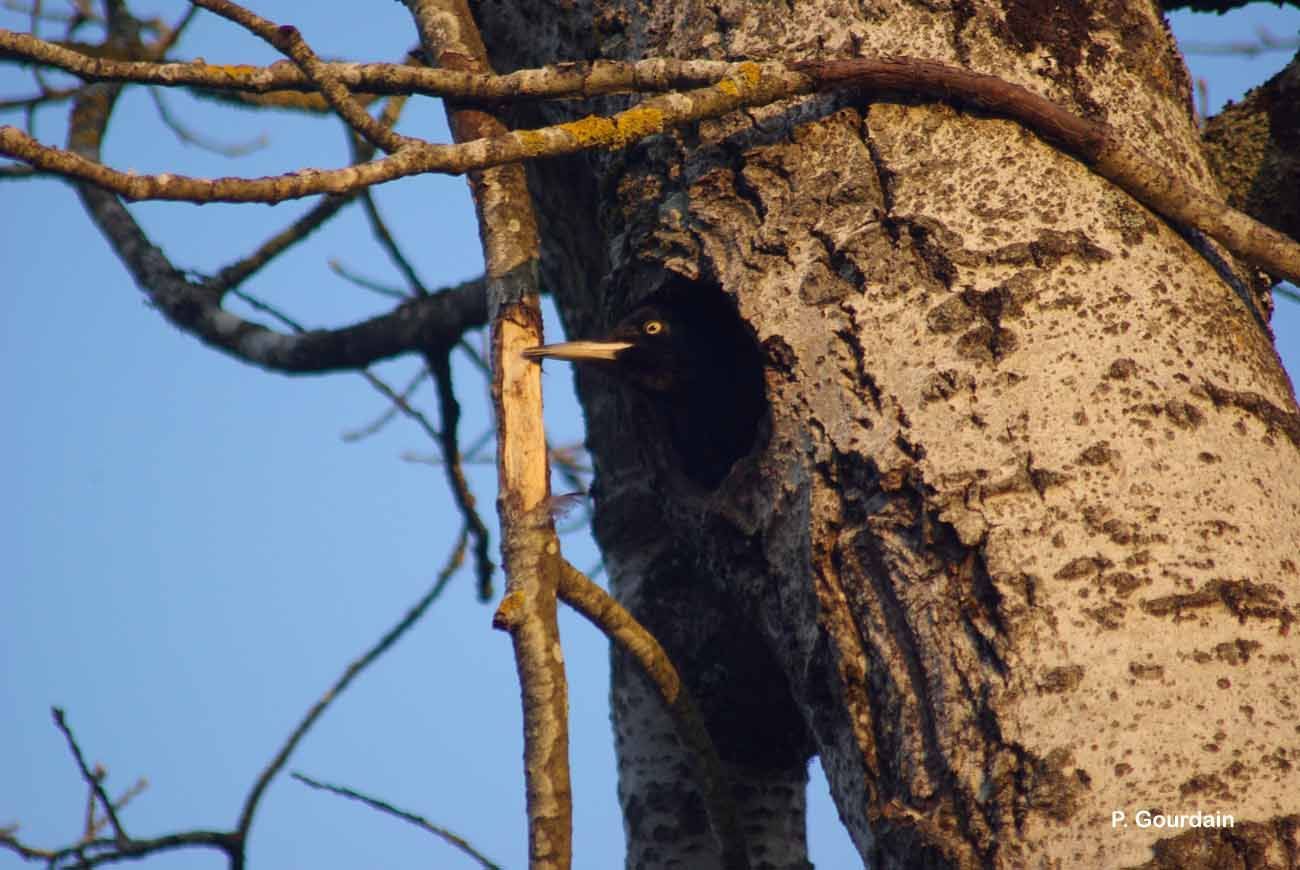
column 193, row 553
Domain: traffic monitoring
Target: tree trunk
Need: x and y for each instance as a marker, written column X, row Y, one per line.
column 1015, row 549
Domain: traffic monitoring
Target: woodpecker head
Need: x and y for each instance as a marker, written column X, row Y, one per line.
column 647, row 348
column 701, row 365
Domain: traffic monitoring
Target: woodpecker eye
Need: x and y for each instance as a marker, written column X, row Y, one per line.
column 653, row 327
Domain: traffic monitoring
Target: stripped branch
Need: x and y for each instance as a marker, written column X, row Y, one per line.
column 530, row 548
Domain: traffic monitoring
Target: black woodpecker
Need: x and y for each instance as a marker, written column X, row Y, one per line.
column 699, row 364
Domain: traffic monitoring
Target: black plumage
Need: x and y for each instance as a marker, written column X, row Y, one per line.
column 700, row 365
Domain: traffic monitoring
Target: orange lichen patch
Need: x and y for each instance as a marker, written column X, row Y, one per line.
column 234, row 70
column 746, row 76
column 636, row 124
column 532, row 142
column 591, row 130
column 751, row 72
column 618, row 131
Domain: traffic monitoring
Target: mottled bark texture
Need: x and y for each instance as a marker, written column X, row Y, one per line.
column 1018, row 541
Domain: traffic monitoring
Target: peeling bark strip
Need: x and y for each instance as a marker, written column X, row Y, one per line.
column 997, row 549
column 529, row 545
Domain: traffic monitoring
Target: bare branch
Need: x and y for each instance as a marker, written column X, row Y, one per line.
column 341, row 684
column 750, row 87
column 440, row 370
column 94, row 782
column 449, row 414
column 389, row 244
column 614, row 620
column 389, row 413
column 241, row 270
column 47, row 97
column 366, row 283
column 562, row 81
column 418, row 325
column 429, row 322
column 99, row 852
column 238, row 272
column 530, row 548
column 1265, row 42
column 405, row 815
column 287, row 39
column 1097, row 144
column 136, row 789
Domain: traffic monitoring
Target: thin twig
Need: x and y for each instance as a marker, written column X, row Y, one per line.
column 388, row 392
column 449, row 415
column 199, row 140
column 389, row 244
column 405, row 815
column 389, row 414
column 241, row 270
column 389, row 117
column 1265, row 42
column 340, row 685
column 46, row 97
column 288, row 39
column 98, row 852
column 93, row 781
column 138, row 788
column 171, row 35
column 365, row 283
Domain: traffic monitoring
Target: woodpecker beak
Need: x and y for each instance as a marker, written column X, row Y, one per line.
column 579, row 351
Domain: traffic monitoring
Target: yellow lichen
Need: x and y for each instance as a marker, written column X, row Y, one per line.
column 234, row 70
column 533, row 143
column 591, row 130
column 638, row 123
column 746, row 75
column 750, row 72
column 626, row 127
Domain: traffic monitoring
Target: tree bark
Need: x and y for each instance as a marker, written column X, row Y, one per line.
column 1016, row 547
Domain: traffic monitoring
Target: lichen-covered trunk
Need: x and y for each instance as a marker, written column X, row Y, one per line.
column 1016, row 549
